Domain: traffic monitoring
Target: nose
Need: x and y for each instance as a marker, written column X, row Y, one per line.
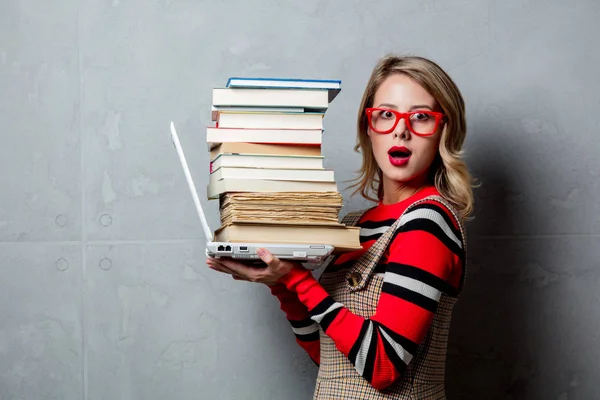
column 401, row 130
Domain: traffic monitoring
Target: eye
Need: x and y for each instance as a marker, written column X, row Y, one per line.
column 386, row 114
column 420, row 117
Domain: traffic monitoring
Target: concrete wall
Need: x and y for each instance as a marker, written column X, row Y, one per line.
column 104, row 293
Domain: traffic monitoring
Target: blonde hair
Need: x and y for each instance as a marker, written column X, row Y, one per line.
column 449, row 173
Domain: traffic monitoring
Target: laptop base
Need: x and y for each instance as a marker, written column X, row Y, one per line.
column 309, row 253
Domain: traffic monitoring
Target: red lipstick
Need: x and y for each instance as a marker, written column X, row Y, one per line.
column 399, row 155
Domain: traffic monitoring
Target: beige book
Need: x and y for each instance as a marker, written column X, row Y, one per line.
column 266, row 149
column 343, row 238
column 304, row 198
column 216, row 188
column 293, row 209
column 275, row 220
column 284, row 214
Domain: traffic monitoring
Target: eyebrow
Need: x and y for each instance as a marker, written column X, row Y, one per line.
column 415, row 107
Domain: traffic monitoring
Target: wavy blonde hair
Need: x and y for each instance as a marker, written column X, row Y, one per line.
column 449, row 173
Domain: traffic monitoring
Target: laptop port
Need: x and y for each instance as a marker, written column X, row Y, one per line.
column 244, row 248
column 224, row 249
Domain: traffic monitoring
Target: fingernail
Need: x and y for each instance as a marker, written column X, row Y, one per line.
column 260, row 252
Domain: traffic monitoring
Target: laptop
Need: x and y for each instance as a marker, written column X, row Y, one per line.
column 312, row 254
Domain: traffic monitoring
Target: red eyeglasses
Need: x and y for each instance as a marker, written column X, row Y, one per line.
column 421, row 123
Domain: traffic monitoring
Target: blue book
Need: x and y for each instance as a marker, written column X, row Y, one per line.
column 333, row 86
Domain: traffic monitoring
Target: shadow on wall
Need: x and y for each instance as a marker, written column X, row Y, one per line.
column 492, row 330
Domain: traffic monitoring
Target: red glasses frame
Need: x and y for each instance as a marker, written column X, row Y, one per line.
column 399, row 115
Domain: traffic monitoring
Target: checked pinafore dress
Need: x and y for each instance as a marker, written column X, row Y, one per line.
column 358, row 289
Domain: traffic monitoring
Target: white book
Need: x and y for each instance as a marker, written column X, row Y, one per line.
column 263, row 120
column 266, row 161
column 284, row 83
column 312, row 137
column 333, row 86
column 315, row 99
column 305, row 175
column 215, row 110
column 215, row 188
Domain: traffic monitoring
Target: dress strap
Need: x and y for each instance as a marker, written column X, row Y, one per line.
column 352, row 218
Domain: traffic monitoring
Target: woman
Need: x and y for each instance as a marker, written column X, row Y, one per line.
column 377, row 320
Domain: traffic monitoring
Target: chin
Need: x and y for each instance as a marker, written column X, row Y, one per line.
column 398, row 175
column 403, row 175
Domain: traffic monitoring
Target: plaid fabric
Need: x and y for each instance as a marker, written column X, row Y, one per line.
column 358, row 289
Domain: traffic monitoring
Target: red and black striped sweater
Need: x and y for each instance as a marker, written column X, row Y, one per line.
column 424, row 260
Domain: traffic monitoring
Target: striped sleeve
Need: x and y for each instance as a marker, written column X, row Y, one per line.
column 424, row 261
column 306, row 331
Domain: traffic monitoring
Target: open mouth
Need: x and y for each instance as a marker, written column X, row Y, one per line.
column 399, row 153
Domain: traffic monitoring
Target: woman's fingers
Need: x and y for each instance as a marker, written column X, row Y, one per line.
column 218, row 266
column 237, row 270
column 268, row 258
column 268, row 274
column 241, row 269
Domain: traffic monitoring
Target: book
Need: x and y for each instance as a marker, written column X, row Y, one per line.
column 304, row 175
column 263, row 149
column 281, row 208
column 285, row 83
column 238, row 160
column 312, row 99
column 217, row 187
column 331, row 85
column 280, row 214
column 267, row 167
column 215, row 110
column 269, row 120
column 309, row 198
column 343, row 238
column 307, row 137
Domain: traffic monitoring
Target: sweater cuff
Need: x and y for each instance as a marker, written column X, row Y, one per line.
column 296, row 275
column 278, row 289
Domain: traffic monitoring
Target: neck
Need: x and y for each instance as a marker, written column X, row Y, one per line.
column 394, row 191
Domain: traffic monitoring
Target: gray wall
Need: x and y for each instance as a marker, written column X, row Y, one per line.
column 104, row 293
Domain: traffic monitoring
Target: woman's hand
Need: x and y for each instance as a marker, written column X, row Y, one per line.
column 268, row 275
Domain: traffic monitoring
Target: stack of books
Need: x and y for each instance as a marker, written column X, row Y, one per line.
column 267, row 167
